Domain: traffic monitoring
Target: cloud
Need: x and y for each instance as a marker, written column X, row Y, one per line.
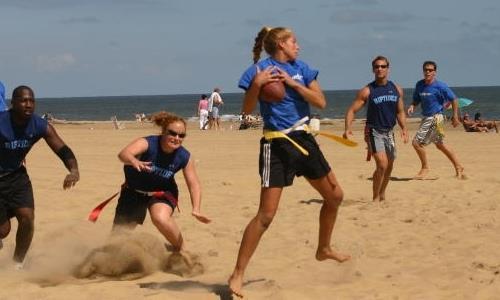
column 364, row 2
column 81, row 20
column 368, row 16
column 56, row 63
column 35, row 4
column 55, row 4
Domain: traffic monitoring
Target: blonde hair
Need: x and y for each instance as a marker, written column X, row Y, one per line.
column 162, row 119
column 268, row 39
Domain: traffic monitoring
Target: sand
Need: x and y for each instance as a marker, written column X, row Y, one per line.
column 431, row 239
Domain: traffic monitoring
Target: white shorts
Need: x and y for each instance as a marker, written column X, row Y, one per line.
column 431, row 130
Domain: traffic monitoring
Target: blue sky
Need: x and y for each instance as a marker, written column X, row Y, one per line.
column 65, row 48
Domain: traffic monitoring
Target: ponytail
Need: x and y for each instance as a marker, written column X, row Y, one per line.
column 268, row 39
column 259, row 42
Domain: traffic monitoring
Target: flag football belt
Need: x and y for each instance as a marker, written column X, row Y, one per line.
column 94, row 214
column 300, row 125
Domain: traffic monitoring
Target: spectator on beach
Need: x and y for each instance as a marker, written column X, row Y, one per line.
column 20, row 129
column 203, row 112
column 150, row 164
column 384, row 100
column 284, row 156
column 485, row 124
column 214, row 106
column 3, row 104
column 48, row 116
column 470, row 125
column 433, row 94
column 478, row 124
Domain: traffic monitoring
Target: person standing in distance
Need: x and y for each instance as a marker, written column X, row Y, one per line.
column 384, row 100
column 20, row 129
column 203, row 112
column 280, row 159
column 214, row 106
column 433, row 94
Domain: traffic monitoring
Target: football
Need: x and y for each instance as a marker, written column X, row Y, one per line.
column 272, row 92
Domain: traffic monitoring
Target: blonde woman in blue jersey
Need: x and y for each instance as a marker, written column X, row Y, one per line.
column 287, row 149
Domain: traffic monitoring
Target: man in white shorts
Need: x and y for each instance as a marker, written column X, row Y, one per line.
column 433, row 95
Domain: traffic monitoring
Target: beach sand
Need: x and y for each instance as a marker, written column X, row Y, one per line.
column 431, row 239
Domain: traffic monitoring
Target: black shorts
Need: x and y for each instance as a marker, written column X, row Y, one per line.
column 280, row 161
column 15, row 192
column 132, row 206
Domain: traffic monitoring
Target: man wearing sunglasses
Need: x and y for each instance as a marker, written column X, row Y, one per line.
column 385, row 106
column 432, row 94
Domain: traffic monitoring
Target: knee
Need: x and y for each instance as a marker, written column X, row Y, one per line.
column 335, row 199
column 440, row 146
column 4, row 229
column 26, row 221
column 160, row 220
column 265, row 219
column 382, row 167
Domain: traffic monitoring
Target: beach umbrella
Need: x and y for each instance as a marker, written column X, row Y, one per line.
column 462, row 102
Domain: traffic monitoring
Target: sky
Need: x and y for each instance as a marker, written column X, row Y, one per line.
column 75, row 48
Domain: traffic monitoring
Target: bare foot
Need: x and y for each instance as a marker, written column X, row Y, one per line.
column 235, row 282
column 459, row 173
column 331, row 254
column 421, row 174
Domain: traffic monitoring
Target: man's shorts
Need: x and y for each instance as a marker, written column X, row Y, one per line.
column 379, row 140
column 280, row 161
column 132, row 206
column 215, row 112
column 15, row 192
column 430, row 130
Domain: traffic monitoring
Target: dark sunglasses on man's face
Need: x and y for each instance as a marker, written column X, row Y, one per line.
column 380, row 67
column 175, row 133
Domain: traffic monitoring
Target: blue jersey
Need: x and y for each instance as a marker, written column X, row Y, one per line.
column 3, row 105
column 432, row 96
column 164, row 166
column 16, row 141
column 382, row 106
column 285, row 113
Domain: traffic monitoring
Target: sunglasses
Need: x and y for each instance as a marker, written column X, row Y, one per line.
column 175, row 133
column 429, row 70
column 380, row 66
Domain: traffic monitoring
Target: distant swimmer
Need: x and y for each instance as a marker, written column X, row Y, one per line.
column 20, row 129
column 432, row 94
column 385, row 106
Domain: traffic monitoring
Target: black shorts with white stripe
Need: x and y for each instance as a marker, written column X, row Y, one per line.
column 280, row 161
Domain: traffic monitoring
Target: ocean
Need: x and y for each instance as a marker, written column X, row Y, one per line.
column 486, row 100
